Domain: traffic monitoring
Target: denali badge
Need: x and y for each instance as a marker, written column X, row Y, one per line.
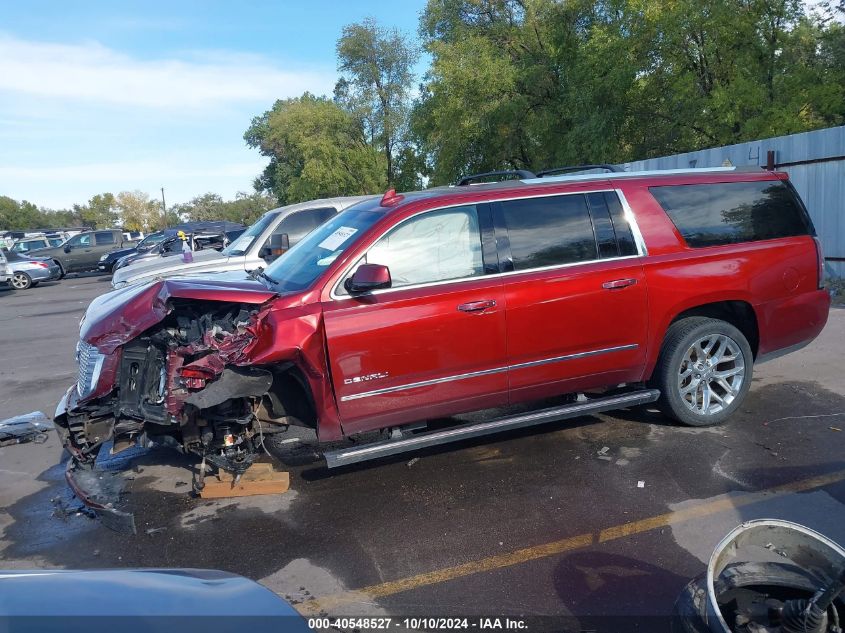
column 352, row 381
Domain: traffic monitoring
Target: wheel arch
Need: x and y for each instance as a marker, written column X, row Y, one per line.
column 290, row 395
column 737, row 311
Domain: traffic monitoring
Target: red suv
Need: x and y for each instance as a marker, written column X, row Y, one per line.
column 607, row 290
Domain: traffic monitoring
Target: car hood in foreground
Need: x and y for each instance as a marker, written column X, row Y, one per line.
column 140, row 593
column 119, row 316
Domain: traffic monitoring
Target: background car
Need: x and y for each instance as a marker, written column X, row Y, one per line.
column 83, row 251
column 204, row 235
column 34, row 243
column 4, row 271
column 25, row 272
column 263, row 242
column 109, row 260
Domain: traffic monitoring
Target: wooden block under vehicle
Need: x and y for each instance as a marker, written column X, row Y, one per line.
column 259, row 479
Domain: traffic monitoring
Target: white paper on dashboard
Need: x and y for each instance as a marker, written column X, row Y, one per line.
column 337, row 238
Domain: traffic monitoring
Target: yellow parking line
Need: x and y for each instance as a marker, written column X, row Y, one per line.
column 554, row 548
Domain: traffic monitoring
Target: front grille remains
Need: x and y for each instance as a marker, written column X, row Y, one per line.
column 90, row 362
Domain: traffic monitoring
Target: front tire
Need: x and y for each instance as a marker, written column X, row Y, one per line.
column 21, row 281
column 704, row 371
column 61, row 269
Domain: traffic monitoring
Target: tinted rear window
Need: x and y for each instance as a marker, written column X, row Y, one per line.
column 549, row 231
column 732, row 212
column 104, row 237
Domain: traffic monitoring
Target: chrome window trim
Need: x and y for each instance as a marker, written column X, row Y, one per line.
column 627, row 211
column 487, row 372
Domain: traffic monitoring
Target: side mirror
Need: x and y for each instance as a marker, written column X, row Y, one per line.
column 279, row 245
column 368, row 277
column 68, row 248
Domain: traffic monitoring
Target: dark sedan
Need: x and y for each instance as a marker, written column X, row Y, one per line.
column 108, row 261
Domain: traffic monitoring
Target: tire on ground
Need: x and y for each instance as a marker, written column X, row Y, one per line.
column 21, row 281
column 680, row 336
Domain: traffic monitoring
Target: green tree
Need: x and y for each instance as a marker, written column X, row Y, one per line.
column 540, row 83
column 246, row 208
column 138, row 212
column 99, row 212
column 316, row 150
column 204, row 207
column 377, row 67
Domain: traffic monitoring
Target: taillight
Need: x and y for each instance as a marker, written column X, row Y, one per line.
column 820, row 256
column 41, row 264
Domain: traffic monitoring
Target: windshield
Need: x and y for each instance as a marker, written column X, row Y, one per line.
column 305, row 262
column 241, row 245
column 150, row 241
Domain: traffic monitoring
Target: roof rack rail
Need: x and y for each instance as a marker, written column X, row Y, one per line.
column 519, row 173
column 559, row 170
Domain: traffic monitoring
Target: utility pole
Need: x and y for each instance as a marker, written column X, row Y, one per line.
column 163, row 208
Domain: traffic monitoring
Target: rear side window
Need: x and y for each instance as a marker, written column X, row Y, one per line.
column 549, row 231
column 104, row 237
column 613, row 233
column 733, row 212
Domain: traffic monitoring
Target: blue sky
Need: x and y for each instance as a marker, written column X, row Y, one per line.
column 113, row 96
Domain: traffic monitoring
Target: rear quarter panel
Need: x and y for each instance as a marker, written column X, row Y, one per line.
column 777, row 278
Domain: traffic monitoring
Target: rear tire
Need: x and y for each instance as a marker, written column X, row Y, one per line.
column 704, row 371
column 21, row 281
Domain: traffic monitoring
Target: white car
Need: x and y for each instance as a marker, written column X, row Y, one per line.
column 5, row 274
column 273, row 234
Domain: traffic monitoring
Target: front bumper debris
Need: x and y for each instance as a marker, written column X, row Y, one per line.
column 100, row 490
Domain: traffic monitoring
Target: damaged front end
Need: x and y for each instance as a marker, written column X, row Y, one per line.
column 168, row 365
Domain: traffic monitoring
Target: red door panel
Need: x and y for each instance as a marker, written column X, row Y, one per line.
column 399, row 356
column 573, row 322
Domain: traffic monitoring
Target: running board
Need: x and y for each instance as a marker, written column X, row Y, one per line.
column 376, row 450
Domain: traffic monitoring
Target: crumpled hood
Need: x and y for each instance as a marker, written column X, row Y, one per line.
column 119, row 316
column 149, row 264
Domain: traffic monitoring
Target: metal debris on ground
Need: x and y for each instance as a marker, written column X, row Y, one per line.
column 835, row 428
column 30, row 427
column 413, row 461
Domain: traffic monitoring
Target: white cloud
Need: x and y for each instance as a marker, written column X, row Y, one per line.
column 200, row 80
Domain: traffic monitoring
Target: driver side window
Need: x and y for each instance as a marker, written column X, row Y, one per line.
column 431, row 247
column 80, row 241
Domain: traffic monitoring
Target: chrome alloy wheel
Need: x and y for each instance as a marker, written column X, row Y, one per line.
column 711, row 374
column 20, row 281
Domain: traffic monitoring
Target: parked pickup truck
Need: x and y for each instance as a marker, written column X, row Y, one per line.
column 604, row 291
column 83, row 251
column 270, row 236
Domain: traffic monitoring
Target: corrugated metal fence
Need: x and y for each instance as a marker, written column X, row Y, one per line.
column 815, row 162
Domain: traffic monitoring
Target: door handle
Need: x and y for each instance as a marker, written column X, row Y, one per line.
column 477, row 306
column 618, row 283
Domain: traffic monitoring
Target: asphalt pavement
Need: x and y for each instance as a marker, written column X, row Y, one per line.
column 607, row 515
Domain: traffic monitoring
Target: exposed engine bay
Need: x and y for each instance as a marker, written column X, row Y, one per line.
column 187, row 382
